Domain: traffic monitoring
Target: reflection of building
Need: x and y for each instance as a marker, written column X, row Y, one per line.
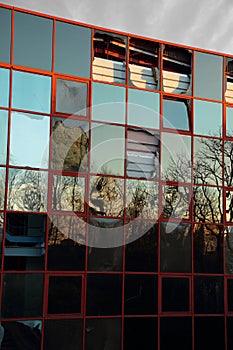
column 116, row 213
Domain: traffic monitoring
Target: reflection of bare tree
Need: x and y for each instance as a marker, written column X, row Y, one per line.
column 176, row 201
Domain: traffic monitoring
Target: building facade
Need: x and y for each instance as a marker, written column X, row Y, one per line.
column 116, row 189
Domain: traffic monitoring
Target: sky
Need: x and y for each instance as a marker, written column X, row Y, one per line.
column 204, row 24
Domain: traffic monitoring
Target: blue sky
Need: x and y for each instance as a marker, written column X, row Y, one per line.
column 199, row 23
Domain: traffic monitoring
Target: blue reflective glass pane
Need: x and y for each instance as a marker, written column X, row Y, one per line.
column 108, row 103
column 208, row 76
column 71, row 97
column 31, row 92
column 176, row 114
column 29, row 140
column 73, row 49
column 3, row 135
column 5, row 35
column 229, row 121
column 33, row 41
column 4, row 87
column 143, row 108
column 207, row 118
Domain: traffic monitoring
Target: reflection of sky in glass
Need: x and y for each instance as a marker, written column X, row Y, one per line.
column 31, row 92
column 208, row 76
column 71, row 97
column 73, row 49
column 143, row 108
column 107, row 149
column 4, row 87
column 108, row 103
column 175, row 115
column 33, row 41
column 29, row 140
column 3, row 135
column 229, row 121
column 5, row 35
column 207, row 118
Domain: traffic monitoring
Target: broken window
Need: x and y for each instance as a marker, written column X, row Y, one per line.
column 229, row 80
column 143, row 64
column 109, row 57
column 142, row 154
column 176, row 70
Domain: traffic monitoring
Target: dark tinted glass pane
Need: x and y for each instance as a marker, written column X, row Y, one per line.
column 66, row 243
column 2, row 187
column 21, row 335
column 3, row 135
column 104, row 295
column 140, row 333
column 209, row 333
column 64, row 294
column 175, row 247
column 229, row 332
column 69, row 144
column 5, row 35
column 207, row 118
column 142, row 246
column 33, row 41
column 4, row 86
column 208, row 295
column 22, row 295
column 71, row 97
column 24, row 242
column 176, row 333
column 208, row 76
column 103, row 334
column 208, row 245
column 175, row 294
column 207, row 204
column 140, row 295
column 228, row 235
column 176, row 202
column 73, row 49
column 230, row 294
column 63, row 334
column 176, row 114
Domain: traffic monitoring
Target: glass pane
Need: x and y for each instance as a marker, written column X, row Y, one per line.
column 70, row 139
column 64, row 295
column 68, row 193
column 71, row 97
column 5, row 35
column 24, row 242
column 22, row 295
column 208, row 76
column 106, row 196
column 103, row 334
column 63, row 334
column 208, row 295
column 1, row 235
column 104, row 294
column 3, row 135
column 207, row 118
column 230, row 294
column 175, row 294
column 108, row 103
column 228, row 79
column 73, row 49
column 175, row 333
column 4, row 86
column 176, row 157
column 66, row 243
column 105, row 239
column 142, row 246
column 141, row 294
column 207, row 204
column 228, row 240
column 207, row 161
column 143, row 108
column 2, row 187
column 229, row 332
column 33, row 41
column 140, row 333
column 228, row 163
column 175, row 247
column 31, row 92
column 29, row 140
column 209, row 333
column 176, row 114
column 142, row 199
column 22, row 334
column 107, row 149
column 176, row 201
column 208, row 254
column 27, row 190
column 229, row 121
